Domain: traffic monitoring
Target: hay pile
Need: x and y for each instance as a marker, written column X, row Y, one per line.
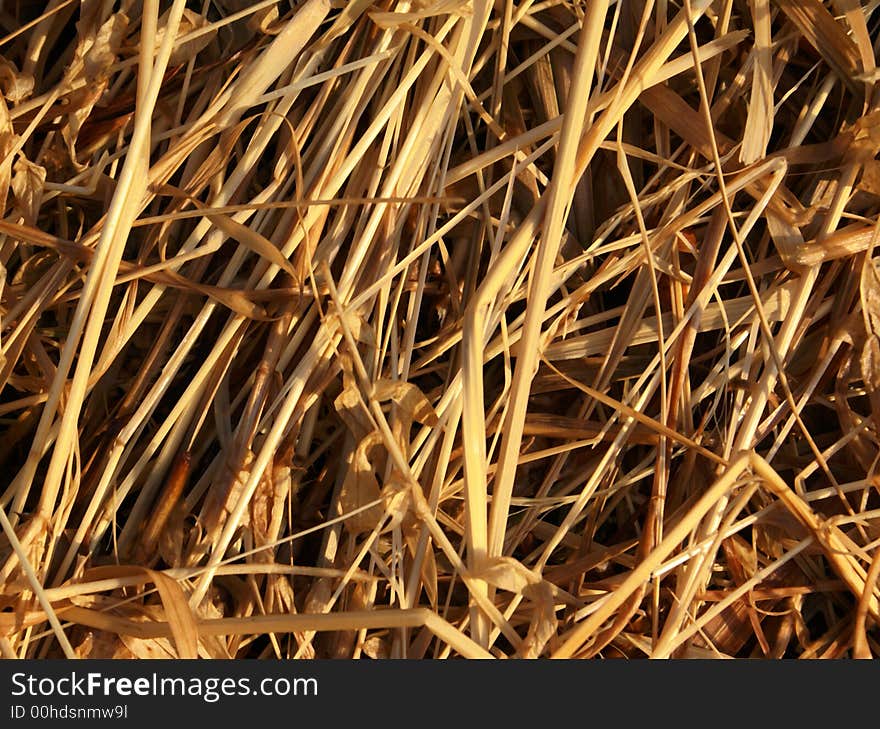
column 439, row 328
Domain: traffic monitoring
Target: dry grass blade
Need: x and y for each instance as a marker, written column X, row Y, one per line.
column 421, row 330
column 819, row 28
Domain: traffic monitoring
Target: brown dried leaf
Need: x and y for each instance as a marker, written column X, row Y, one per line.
column 742, row 558
column 284, row 487
column 265, row 21
column 181, row 620
column 360, row 486
column 376, row 647
column 866, row 137
column 8, row 139
column 149, row 648
column 411, row 405
column 214, row 646
column 253, row 241
column 171, row 537
column 98, row 644
column 101, row 53
column 174, row 608
column 396, row 501
column 28, row 180
column 189, row 23
column 87, row 76
column 221, row 500
column 870, row 180
column 544, row 624
column 507, row 573
column 318, row 598
column 350, row 405
column 408, row 397
column 259, row 507
column 355, row 322
column 16, row 86
column 870, row 357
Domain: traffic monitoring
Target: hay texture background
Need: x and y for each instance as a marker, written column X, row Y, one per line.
column 432, row 329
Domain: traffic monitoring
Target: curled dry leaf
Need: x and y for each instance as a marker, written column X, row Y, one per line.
column 396, row 501
column 361, row 487
column 88, row 75
column 350, row 405
column 8, row 140
column 221, row 501
column 148, row 648
column 265, row 21
column 870, row 179
column 252, row 240
column 376, row 646
column 870, row 357
column 354, row 321
column 411, row 406
column 28, row 180
column 408, row 397
column 260, row 507
column 866, row 137
column 507, row 573
column 16, row 86
column 190, row 23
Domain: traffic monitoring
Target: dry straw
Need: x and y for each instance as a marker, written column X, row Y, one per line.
column 436, row 329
